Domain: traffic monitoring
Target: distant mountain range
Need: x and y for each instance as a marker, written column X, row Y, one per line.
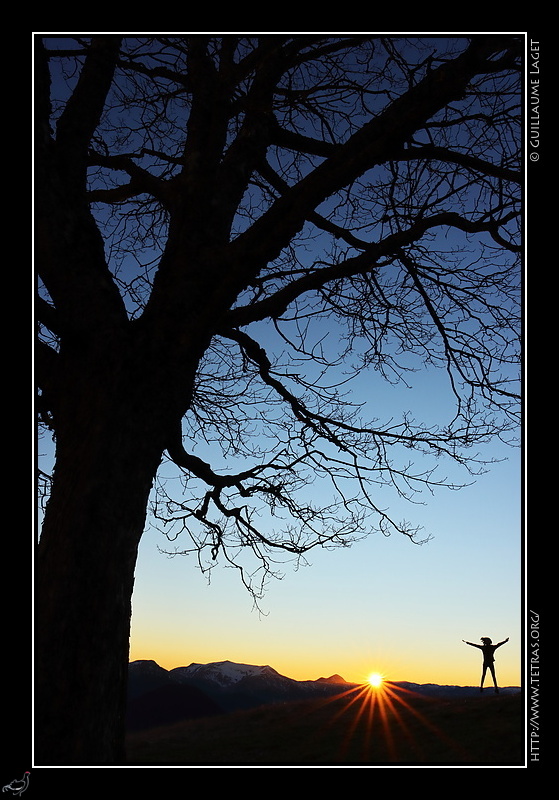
column 157, row 696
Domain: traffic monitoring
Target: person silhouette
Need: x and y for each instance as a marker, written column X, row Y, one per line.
column 488, row 650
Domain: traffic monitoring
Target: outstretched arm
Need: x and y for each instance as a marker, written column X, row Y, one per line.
column 503, row 642
column 472, row 644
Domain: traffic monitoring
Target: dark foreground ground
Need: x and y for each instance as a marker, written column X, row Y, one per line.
column 396, row 729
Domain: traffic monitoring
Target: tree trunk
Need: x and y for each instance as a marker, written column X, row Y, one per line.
column 104, row 470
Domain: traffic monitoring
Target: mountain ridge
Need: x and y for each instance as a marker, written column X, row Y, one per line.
column 157, row 696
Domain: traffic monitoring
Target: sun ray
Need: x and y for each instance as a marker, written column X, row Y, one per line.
column 374, row 710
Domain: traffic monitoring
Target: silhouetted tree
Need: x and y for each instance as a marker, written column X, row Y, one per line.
column 207, row 208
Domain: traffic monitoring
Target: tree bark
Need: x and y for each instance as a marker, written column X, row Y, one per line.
column 109, row 447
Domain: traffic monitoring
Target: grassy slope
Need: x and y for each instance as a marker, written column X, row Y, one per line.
column 415, row 731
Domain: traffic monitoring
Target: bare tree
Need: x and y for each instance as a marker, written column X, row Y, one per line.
column 207, row 210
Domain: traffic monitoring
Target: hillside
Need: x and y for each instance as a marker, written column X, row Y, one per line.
column 404, row 729
column 159, row 697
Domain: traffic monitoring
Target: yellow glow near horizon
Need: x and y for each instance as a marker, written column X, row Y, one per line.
column 375, row 679
column 170, row 653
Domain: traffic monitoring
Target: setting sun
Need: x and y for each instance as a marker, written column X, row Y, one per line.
column 375, row 679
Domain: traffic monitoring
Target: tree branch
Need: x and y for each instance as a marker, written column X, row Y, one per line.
column 83, row 110
column 378, row 141
column 445, row 154
column 275, row 305
column 142, row 181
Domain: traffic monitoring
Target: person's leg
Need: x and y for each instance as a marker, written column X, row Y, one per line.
column 483, row 677
column 492, row 668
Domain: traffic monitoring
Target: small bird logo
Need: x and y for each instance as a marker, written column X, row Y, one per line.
column 17, row 787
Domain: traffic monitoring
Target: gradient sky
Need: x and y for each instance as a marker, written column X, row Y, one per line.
column 383, row 605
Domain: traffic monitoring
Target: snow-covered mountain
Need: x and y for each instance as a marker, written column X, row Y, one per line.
column 157, row 696
column 225, row 673
column 246, row 685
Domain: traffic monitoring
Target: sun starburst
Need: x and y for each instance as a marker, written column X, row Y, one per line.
column 375, row 679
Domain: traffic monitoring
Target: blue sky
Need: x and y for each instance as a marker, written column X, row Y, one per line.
column 384, row 604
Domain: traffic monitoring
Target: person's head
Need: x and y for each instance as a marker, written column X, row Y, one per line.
column 486, row 640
